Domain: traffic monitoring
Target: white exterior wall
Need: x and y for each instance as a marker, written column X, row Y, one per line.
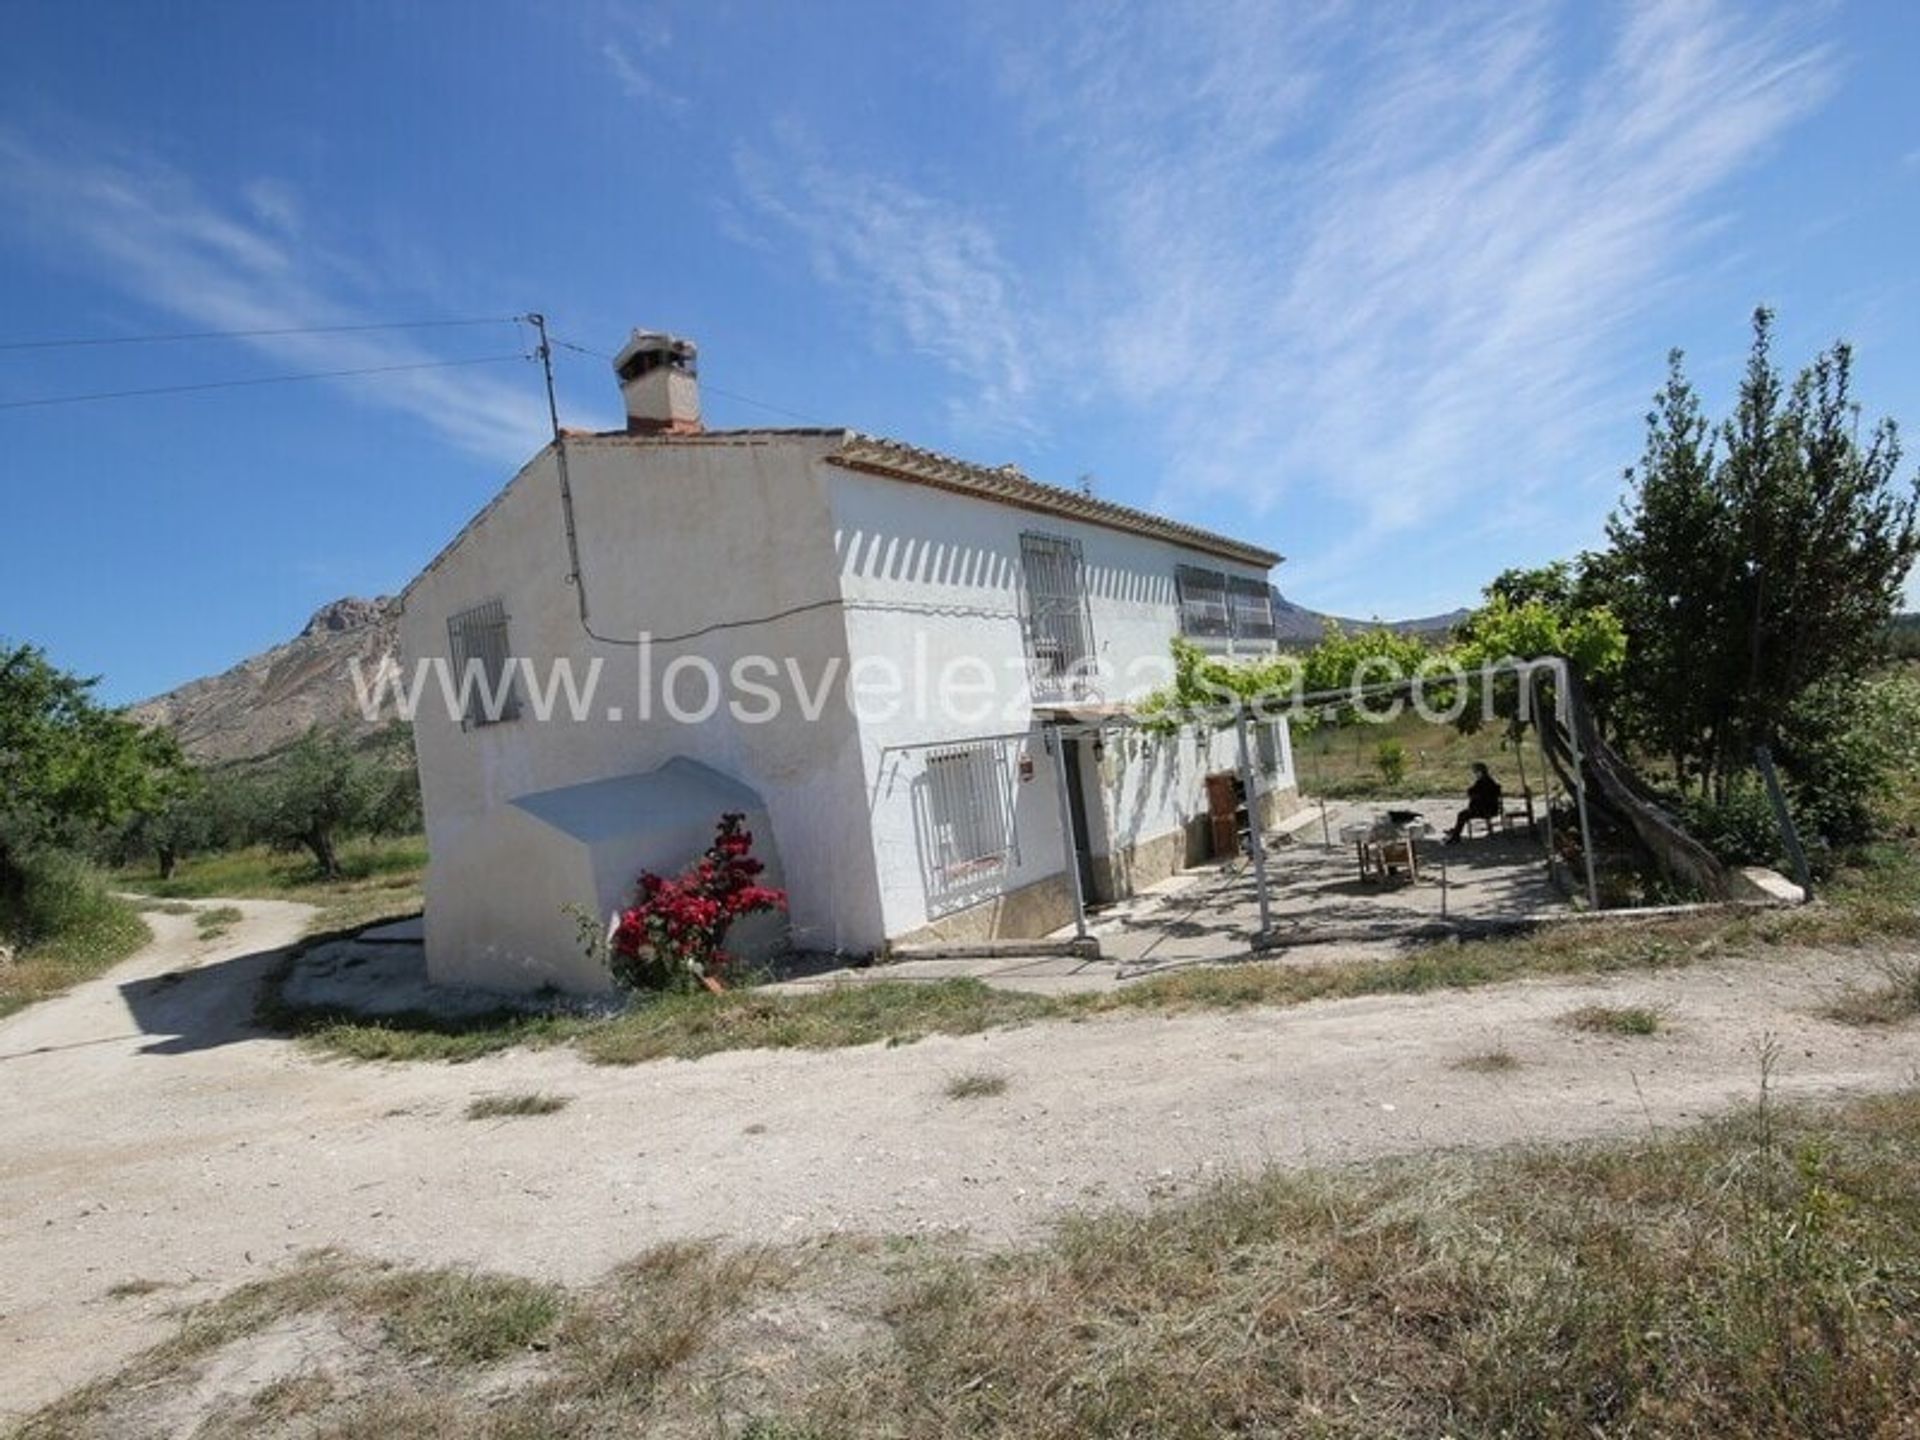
column 672, row 538
column 934, row 574
column 678, row 534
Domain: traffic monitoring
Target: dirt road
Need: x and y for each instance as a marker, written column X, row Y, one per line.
column 150, row 1134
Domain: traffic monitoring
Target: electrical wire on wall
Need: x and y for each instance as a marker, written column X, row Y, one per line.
column 543, row 352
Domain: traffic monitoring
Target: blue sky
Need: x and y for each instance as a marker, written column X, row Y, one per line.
column 1385, row 286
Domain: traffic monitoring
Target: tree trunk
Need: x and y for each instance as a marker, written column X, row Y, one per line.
column 13, row 881
column 320, row 842
column 169, row 858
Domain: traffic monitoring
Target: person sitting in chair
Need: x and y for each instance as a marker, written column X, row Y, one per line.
column 1483, row 802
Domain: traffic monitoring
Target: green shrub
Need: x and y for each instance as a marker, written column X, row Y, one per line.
column 60, row 894
column 1390, row 757
column 1741, row 829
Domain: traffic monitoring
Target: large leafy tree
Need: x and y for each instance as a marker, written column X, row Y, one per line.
column 68, row 765
column 1757, row 567
column 322, row 789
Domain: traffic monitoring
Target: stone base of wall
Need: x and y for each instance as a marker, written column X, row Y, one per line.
column 1278, row 805
column 1046, row 905
column 1023, row 914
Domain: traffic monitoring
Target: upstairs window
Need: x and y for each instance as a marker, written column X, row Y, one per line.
column 1203, row 602
column 1219, row 606
column 1059, row 629
column 482, row 672
column 1252, row 604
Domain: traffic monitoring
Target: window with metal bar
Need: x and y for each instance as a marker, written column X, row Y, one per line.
column 968, row 816
column 477, row 641
column 1251, row 603
column 1059, row 627
column 1203, row 602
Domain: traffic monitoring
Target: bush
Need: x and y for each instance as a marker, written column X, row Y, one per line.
column 1391, row 759
column 669, row 938
column 1741, row 830
column 60, row 894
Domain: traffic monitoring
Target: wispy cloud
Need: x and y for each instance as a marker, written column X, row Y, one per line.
column 637, row 82
column 927, row 271
column 165, row 244
column 1389, row 260
column 1386, row 257
column 635, row 33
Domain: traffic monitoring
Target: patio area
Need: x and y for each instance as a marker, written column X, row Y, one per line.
column 1321, row 906
column 1318, row 896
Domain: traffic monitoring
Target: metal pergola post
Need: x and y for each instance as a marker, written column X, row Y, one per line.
column 1564, row 698
column 1256, row 842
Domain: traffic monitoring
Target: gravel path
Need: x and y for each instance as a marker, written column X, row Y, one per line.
column 151, row 1135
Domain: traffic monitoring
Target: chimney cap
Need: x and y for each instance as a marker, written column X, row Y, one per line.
column 650, row 349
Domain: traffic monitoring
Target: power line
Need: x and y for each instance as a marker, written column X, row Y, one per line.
column 74, row 343
column 256, row 380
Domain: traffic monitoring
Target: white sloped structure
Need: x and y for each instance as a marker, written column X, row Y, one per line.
column 860, row 643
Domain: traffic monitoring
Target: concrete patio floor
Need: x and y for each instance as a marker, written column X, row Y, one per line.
column 1321, row 909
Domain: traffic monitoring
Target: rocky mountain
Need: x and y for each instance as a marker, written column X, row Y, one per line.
column 271, row 699
column 1298, row 625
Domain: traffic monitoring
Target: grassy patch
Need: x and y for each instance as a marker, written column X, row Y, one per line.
column 379, row 880
column 1615, row 1020
column 96, row 940
column 212, row 924
column 976, row 1085
column 456, row 1317
column 1889, row 1003
column 1343, row 762
column 1497, row 1061
column 1870, row 902
column 132, row 1289
column 896, row 1011
column 1755, row 1277
column 503, row 1107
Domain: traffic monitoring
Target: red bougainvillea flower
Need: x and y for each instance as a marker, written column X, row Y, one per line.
column 670, row 936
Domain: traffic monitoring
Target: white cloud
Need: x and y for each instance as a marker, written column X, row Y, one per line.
column 639, row 83
column 927, row 271
column 276, row 204
column 1389, row 261
column 161, row 242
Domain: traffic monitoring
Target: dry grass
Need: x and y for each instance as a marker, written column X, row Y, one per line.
column 1875, row 901
column 96, row 943
column 1896, row 1000
column 379, row 880
column 504, row 1107
column 131, row 1289
column 1756, row 1277
column 214, row 923
column 1497, row 1061
column 1633, row 1020
column 976, row 1085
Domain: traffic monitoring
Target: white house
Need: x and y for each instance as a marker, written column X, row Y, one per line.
column 868, row 647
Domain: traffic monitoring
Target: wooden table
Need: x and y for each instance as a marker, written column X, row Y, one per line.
column 1382, row 847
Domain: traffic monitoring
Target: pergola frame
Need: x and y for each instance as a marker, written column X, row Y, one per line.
column 1240, row 714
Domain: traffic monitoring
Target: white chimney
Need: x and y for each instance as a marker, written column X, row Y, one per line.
column 660, row 378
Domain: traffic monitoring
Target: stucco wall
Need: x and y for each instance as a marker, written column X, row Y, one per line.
column 835, row 569
column 673, row 537
column 929, row 576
